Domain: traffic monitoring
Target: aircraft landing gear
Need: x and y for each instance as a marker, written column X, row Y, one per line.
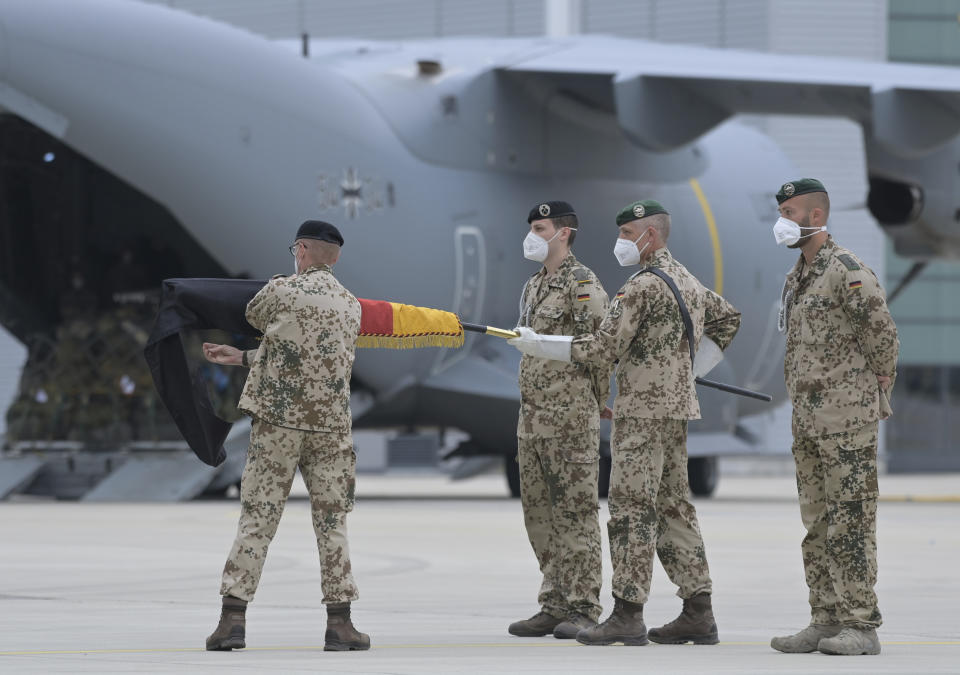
column 512, row 469
column 703, row 474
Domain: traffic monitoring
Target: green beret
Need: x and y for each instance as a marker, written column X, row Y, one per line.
column 641, row 209
column 801, row 186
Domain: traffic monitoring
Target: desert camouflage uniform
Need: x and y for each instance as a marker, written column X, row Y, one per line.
column 298, row 393
column 650, row 509
column 840, row 336
column 558, row 441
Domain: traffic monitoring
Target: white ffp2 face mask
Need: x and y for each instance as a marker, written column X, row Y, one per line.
column 626, row 251
column 787, row 232
column 536, row 247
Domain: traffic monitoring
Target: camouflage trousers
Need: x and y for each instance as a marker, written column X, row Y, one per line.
column 837, row 484
column 558, row 491
column 650, row 510
column 327, row 463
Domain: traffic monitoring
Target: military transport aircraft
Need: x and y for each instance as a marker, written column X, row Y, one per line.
column 215, row 143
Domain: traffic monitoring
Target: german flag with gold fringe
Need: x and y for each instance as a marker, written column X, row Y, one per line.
column 201, row 304
column 392, row 325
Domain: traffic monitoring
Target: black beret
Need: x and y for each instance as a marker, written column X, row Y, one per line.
column 641, row 209
column 318, row 229
column 799, row 187
column 550, row 210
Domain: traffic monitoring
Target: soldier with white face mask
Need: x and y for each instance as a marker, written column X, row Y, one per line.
column 647, row 335
column 840, row 362
column 558, row 430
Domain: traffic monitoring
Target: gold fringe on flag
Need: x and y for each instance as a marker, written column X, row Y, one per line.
column 409, row 341
column 409, row 327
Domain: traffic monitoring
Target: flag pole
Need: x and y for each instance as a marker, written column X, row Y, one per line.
column 731, row 389
column 489, row 330
column 722, row 386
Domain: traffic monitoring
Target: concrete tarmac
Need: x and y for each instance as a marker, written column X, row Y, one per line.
column 96, row 588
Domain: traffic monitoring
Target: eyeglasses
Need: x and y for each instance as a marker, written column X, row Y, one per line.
column 293, row 248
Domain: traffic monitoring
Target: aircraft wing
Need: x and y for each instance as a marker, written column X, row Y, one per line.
column 665, row 96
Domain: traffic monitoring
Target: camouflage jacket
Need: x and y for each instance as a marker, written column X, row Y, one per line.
column 300, row 375
column 840, row 336
column 559, row 398
column 644, row 331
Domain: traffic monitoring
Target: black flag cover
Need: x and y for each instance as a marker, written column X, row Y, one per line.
column 195, row 304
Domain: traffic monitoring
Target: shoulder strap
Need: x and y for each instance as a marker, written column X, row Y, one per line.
column 524, row 314
column 684, row 313
column 848, row 262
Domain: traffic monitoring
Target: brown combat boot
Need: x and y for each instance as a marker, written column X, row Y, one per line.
column 232, row 629
column 695, row 624
column 341, row 636
column 625, row 624
column 538, row 625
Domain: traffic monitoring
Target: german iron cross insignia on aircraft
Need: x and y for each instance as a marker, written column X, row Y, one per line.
column 356, row 193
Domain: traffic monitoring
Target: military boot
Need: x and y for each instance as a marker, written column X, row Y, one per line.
column 341, row 636
column 625, row 624
column 232, row 629
column 695, row 624
column 851, row 642
column 805, row 641
column 538, row 625
column 567, row 630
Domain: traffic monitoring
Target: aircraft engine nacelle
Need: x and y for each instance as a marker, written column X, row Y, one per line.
column 917, row 200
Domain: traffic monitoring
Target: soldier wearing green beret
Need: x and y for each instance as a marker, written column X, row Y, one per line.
column 650, row 509
column 840, row 363
column 558, row 431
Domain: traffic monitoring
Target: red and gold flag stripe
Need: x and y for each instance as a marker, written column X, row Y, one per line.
column 392, row 325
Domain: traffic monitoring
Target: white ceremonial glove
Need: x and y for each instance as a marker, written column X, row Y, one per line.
column 707, row 357
column 555, row 347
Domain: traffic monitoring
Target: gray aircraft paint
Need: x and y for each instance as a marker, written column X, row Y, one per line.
column 430, row 177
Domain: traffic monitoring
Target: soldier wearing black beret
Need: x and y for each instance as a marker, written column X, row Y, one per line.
column 558, row 430
column 298, row 397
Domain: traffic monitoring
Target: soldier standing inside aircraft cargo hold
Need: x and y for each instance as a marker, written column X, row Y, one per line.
column 650, row 509
column 840, row 363
column 298, row 394
column 558, row 431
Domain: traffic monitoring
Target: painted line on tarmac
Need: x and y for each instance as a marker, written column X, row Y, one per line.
column 48, row 652
column 571, row 643
column 928, row 499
